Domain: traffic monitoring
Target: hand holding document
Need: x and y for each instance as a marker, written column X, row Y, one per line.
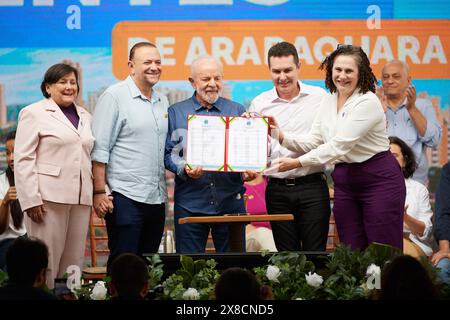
column 230, row 144
column 282, row 164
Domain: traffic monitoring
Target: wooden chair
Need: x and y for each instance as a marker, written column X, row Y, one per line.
column 333, row 238
column 98, row 238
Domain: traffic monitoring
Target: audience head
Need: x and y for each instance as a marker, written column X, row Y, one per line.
column 26, row 262
column 348, row 68
column 406, row 278
column 61, row 83
column 238, row 284
column 129, row 277
column 284, row 67
column 404, row 155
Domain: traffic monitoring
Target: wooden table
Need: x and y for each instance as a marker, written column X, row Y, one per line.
column 237, row 224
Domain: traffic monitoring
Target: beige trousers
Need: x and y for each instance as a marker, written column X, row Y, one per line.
column 64, row 231
column 412, row 249
column 258, row 239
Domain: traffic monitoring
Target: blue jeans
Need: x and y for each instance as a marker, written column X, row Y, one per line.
column 444, row 273
column 134, row 227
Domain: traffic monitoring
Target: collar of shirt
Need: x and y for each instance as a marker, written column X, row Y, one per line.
column 355, row 95
column 402, row 105
column 304, row 91
column 135, row 92
column 198, row 106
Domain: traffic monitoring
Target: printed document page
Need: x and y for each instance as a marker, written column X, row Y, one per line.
column 206, row 142
column 247, row 144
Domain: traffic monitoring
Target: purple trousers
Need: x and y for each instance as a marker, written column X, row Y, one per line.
column 369, row 200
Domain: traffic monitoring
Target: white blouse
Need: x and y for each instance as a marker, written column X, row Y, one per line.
column 354, row 134
column 418, row 201
column 11, row 231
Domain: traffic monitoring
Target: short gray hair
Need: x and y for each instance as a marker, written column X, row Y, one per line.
column 198, row 60
column 403, row 64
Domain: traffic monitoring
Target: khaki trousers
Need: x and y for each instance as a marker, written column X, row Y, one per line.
column 64, row 231
column 412, row 249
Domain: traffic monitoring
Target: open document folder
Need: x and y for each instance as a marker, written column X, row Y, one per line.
column 219, row 143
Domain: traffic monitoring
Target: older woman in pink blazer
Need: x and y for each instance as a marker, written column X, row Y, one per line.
column 53, row 169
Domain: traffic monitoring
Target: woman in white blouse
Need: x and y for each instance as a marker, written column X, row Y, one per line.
column 417, row 226
column 349, row 131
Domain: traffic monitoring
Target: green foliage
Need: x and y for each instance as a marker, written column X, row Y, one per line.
column 3, row 278
column 344, row 274
column 293, row 267
column 200, row 275
column 155, row 271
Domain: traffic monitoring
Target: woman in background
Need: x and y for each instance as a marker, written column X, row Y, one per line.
column 417, row 225
column 259, row 235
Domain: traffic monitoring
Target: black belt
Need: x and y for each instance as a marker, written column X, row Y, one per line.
column 290, row 182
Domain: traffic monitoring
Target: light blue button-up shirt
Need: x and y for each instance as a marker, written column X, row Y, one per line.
column 130, row 134
column 400, row 124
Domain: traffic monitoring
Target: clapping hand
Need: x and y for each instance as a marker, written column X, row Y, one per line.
column 382, row 97
column 411, row 95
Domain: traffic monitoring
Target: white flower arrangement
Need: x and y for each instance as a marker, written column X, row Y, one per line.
column 272, row 273
column 99, row 291
column 191, row 294
column 314, row 280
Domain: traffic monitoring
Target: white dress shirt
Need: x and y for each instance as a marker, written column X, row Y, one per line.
column 418, row 202
column 295, row 117
column 354, row 134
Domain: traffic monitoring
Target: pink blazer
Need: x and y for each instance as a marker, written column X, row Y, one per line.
column 52, row 159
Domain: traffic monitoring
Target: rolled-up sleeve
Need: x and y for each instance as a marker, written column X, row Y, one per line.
column 425, row 213
column 433, row 134
column 105, row 127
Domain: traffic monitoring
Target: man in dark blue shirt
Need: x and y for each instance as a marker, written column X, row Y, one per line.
column 442, row 225
column 198, row 192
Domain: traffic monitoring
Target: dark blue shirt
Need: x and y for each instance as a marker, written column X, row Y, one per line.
column 442, row 219
column 214, row 192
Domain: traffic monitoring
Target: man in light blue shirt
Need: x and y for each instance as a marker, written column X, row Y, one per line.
column 411, row 119
column 130, row 127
